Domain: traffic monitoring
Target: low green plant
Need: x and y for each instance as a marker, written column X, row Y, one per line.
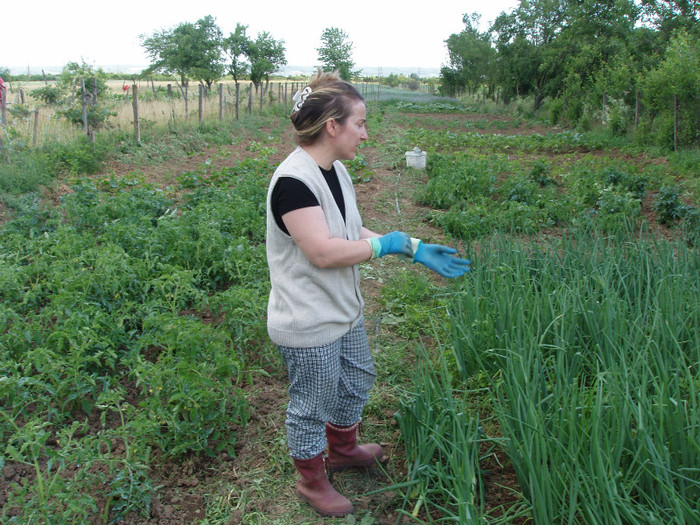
column 454, row 179
column 668, row 204
column 26, row 173
column 411, row 302
column 586, row 376
column 52, row 497
column 188, row 376
column 359, row 170
column 78, row 157
column 442, row 444
column 114, row 286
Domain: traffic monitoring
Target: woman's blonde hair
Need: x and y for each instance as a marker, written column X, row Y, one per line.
column 330, row 97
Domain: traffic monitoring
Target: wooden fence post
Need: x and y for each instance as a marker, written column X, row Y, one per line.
column 83, row 100
column 84, row 104
column 605, row 103
column 238, row 98
column 250, row 100
column 36, row 126
column 187, row 99
column 135, row 102
column 201, row 97
column 221, row 102
column 172, row 106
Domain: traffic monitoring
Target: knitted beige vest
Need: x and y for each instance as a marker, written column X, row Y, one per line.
column 311, row 306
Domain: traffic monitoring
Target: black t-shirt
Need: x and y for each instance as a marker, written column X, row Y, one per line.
column 291, row 194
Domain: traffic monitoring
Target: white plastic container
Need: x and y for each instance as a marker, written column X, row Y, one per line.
column 416, row 158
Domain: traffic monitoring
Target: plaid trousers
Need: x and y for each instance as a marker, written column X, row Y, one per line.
column 329, row 383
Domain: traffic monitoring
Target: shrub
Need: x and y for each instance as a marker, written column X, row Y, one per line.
column 668, row 204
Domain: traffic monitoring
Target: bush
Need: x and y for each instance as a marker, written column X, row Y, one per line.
column 48, row 94
column 556, row 108
column 668, row 204
column 79, row 157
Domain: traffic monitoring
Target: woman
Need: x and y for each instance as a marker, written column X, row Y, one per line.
column 315, row 240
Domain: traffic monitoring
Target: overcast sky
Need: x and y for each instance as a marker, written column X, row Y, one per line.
column 385, row 33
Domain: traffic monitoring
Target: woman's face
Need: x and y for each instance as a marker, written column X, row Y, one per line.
column 352, row 132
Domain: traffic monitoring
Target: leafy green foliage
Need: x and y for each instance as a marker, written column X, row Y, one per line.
column 358, row 169
column 335, row 53
column 48, row 94
column 411, row 302
column 469, row 55
column 117, row 286
column 675, row 81
column 266, row 56
column 188, row 379
column 597, row 63
column 475, row 196
column 672, row 210
column 189, row 50
column 84, row 94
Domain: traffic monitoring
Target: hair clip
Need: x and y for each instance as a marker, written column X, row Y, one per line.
column 300, row 97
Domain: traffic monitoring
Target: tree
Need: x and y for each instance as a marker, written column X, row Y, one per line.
column 266, row 56
column 335, row 53
column 237, row 48
column 674, row 87
column 524, row 40
column 593, row 43
column 189, row 50
column 670, row 16
column 208, row 44
column 470, row 54
column 82, row 93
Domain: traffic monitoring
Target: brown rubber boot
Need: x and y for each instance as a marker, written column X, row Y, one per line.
column 344, row 452
column 315, row 489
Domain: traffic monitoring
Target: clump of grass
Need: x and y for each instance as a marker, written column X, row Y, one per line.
column 592, row 345
column 442, row 443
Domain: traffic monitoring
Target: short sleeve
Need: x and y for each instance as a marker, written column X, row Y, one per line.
column 290, row 194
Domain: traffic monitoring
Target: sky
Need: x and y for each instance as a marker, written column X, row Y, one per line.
column 47, row 35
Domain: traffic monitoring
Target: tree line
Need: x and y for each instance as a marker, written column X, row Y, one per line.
column 196, row 51
column 629, row 64
column 200, row 51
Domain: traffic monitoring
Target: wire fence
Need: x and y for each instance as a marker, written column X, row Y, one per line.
column 138, row 105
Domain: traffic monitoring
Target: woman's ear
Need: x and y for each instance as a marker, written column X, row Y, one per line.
column 332, row 127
